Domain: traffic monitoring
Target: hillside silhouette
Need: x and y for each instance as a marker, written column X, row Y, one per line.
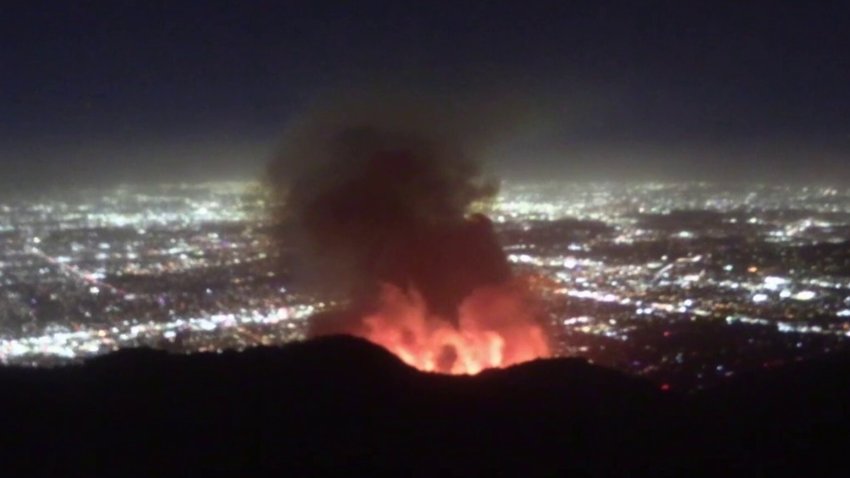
column 340, row 405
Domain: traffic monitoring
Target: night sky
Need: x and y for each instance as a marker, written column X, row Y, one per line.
column 118, row 91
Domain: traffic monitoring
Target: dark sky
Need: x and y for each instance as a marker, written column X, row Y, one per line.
column 129, row 90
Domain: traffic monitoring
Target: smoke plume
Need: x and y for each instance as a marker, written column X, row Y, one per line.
column 384, row 200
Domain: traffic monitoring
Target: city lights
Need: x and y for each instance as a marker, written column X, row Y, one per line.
column 634, row 276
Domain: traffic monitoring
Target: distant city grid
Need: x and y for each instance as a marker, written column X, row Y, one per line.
column 682, row 283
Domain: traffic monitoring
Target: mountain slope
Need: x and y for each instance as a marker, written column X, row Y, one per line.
column 340, row 404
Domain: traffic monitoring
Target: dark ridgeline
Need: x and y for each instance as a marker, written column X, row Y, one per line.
column 341, row 405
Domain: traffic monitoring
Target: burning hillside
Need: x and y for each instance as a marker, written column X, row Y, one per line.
column 494, row 327
column 385, row 207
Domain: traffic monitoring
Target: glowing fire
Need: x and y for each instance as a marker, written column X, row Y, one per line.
column 495, row 328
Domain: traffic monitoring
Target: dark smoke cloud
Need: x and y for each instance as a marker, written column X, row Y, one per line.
column 383, row 193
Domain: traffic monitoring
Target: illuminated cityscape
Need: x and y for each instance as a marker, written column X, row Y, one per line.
column 687, row 283
column 684, row 283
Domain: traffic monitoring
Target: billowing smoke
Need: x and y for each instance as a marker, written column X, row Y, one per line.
column 385, row 201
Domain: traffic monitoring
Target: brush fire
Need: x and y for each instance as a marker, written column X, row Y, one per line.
column 385, row 210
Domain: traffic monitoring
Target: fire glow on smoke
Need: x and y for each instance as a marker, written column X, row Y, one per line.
column 495, row 328
column 385, row 194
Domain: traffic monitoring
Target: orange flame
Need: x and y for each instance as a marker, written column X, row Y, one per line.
column 496, row 327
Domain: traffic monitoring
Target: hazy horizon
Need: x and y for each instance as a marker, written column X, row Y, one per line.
column 100, row 93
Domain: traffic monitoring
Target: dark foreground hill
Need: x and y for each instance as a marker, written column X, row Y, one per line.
column 343, row 406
